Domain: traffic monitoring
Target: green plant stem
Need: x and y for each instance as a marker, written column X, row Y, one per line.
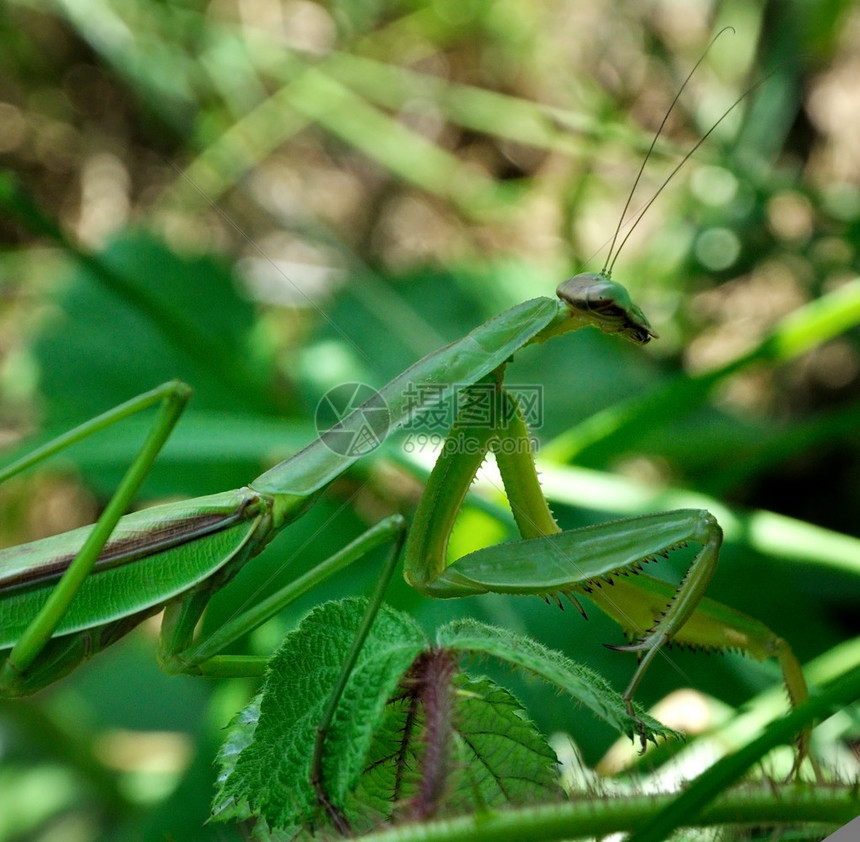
column 594, row 815
column 837, row 694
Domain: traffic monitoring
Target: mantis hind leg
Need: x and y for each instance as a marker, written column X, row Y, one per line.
column 171, row 398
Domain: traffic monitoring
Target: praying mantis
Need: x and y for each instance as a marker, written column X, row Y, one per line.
column 65, row 598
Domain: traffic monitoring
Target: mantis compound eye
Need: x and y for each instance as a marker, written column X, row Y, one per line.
column 607, row 305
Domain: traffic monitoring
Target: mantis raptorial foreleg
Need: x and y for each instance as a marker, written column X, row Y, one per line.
column 590, row 561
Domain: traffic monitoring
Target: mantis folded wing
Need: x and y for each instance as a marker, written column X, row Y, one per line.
column 67, row 597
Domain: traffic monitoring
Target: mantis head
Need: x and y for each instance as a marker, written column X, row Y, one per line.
column 594, row 298
column 607, row 305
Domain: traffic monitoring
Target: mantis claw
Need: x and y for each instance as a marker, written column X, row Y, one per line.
column 641, row 729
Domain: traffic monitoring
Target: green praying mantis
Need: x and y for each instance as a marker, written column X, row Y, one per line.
column 65, row 598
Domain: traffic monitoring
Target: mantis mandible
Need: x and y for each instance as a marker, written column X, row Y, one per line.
column 67, row 597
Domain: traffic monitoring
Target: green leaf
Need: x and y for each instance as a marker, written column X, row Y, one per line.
column 412, row 737
column 482, row 752
column 271, row 774
column 505, row 759
column 583, row 684
column 240, row 734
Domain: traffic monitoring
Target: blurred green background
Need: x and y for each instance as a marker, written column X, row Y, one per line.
column 269, row 198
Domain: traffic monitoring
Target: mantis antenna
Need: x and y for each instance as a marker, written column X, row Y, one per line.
column 613, row 252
